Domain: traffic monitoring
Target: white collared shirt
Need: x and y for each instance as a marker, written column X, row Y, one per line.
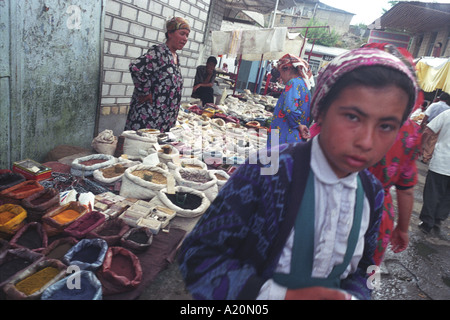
column 334, row 209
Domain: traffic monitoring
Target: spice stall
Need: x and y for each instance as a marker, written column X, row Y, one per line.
column 114, row 221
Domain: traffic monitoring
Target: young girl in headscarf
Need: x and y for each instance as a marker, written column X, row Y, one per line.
column 308, row 231
column 158, row 81
column 291, row 116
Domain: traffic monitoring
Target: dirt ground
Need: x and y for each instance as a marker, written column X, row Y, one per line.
column 421, row 272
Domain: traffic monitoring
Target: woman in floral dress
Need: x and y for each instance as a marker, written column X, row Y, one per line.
column 158, row 82
column 291, row 116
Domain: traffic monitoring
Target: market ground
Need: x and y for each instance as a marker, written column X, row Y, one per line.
column 421, row 272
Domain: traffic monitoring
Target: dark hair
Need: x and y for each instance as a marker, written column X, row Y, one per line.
column 445, row 97
column 211, row 59
column 372, row 76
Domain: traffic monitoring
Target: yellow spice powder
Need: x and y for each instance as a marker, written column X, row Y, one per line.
column 37, row 280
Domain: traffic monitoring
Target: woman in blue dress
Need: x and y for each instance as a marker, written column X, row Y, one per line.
column 291, row 117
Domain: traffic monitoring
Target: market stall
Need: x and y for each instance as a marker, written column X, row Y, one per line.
column 119, row 214
column 434, row 74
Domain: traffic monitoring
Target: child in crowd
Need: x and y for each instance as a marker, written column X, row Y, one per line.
column 309, row 230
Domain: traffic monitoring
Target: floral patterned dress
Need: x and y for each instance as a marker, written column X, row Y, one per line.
column 155, row 72
column 397, row 168
column 291, row 110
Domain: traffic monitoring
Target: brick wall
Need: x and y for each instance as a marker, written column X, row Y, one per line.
column 132, row 26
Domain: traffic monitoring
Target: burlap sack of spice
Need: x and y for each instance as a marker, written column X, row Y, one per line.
column 164, row 199
column 134, row 143
column 201, row 180
column 80, row 166
column 222, row 177
column 143, row 182
column 105, row 142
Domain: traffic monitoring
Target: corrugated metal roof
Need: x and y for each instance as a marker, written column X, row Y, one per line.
column 261, row 6
column 416, row 17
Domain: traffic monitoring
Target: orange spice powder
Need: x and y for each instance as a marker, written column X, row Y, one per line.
column 5, row 216
column 66, row 216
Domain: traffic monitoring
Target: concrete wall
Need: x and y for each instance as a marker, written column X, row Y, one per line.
column 131, row 27
column 50, row 79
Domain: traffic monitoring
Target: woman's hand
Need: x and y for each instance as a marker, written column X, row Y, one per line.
column 317, row 293
column 304, row 131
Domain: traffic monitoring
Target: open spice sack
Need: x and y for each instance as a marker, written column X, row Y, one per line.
column 58, row 219
column 20, row 191
column 89, row 288
column 143, row 182
column 31, row 282
column 201, row 180
column 13, row 261
column 88, row 254
column 185, row 201
column 12, row 218
column 40, row 203
column 121, row 271
column 59, row 247
column 111, row 231
column 9, row 179
column 31, row 236
column 85, row 166
column 83, row 225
